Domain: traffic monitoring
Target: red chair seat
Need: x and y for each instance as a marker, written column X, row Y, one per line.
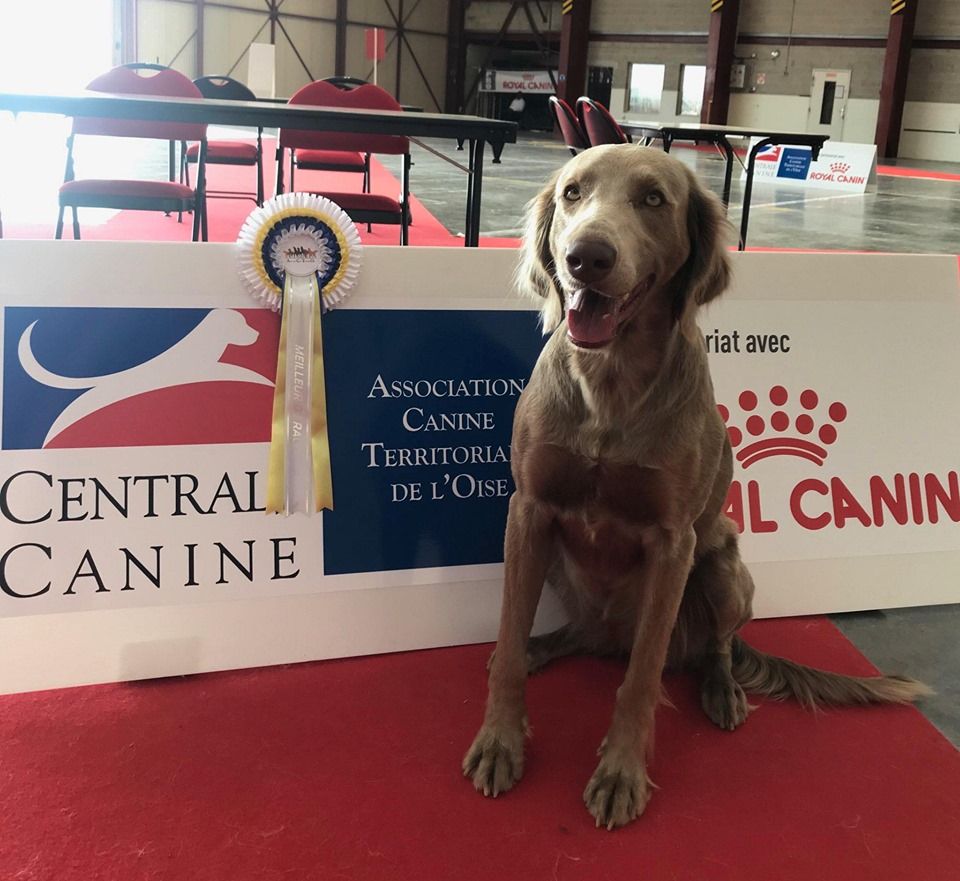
column 364, row 202
column 236, row 152
column 140, row 189
column 329, row 160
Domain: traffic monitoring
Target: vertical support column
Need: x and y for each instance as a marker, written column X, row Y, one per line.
column 198, row 63
column 721, row 43
column 340, row 47
column 128, row 31
column 399, row 41
column 574, row 41
column 456, row 57
column 893, row 87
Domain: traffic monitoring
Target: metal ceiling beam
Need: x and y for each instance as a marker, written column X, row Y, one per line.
column 542, row 44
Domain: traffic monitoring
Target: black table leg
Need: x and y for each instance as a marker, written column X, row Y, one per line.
column 172, row 156
column 200, row 200
column 476, row 188
column 728, row 174
column 667, row 142
column 468, row 221
column 748, row 190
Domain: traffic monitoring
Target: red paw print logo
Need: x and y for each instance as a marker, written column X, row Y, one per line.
column 781, row 428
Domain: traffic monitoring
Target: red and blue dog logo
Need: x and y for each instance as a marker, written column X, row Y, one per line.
column 90, row 377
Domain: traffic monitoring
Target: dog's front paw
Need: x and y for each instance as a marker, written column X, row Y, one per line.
column 495, row 760
column 617, row 793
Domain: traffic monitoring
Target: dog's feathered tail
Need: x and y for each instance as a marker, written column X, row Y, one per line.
column 779, row 678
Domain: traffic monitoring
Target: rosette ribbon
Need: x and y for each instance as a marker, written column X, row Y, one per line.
column 299, row 254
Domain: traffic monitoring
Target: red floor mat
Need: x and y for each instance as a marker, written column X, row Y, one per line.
column 349, row 770
column 226, row 216
column 916, row 173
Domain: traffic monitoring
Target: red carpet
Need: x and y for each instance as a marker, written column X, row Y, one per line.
column 350, row 770
column 226, row 216
column 916, row 173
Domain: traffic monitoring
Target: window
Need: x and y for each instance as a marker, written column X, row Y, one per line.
column 692, row 77
column 51, row 46
column 644, row 88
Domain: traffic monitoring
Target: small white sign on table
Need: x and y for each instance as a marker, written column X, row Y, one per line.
column 841, row 166
column 262, row 69
column 136, row 386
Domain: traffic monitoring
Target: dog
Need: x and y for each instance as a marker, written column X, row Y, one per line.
column 622, row 466
column 194, row 359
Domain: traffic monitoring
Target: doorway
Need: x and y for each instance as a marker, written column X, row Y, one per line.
column 829, row 93
column 599, row 84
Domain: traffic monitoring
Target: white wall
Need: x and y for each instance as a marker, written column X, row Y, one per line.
column 930, row 131
column 790, row 112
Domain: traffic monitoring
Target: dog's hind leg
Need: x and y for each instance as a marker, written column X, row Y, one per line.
column 716, row 604
column 547, row 647
column 559, row 643
column 721, row 697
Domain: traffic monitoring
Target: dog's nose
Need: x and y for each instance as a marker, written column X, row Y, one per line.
column 589, row 260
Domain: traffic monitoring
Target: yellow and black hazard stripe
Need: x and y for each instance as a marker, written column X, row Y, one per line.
column 566, row 7
column 716, row 5
column 897, row 6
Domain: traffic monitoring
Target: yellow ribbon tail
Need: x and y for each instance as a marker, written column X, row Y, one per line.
column 276, row 467
column 319, row 436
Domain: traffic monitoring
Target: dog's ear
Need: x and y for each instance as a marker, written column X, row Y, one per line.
column 706, row 274
column 536, row 274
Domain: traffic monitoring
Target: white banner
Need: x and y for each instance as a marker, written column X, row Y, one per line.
column 133, row 449
column 840, row 166
column 824, row 406
column 531, row 81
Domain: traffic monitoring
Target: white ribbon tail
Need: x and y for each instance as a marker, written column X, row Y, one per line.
column 301, row 298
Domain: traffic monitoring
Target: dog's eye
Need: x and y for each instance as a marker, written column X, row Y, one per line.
column 653, row 199
column 571, row 192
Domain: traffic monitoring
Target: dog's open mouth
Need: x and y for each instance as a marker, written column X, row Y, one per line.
column 593, row 318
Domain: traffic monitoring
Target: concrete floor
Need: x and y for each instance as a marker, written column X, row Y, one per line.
column 902, row 214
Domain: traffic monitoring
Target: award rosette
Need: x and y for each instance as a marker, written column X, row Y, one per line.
column 299, row 254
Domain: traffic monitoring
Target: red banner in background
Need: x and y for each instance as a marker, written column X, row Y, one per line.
column 376, row 44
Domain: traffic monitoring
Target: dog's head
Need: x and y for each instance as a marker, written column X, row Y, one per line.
column 621, row 230
column 229, row 327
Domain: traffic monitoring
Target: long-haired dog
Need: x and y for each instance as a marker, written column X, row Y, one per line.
column 622, row 465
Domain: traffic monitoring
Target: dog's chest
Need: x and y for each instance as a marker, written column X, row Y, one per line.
column 596, row 489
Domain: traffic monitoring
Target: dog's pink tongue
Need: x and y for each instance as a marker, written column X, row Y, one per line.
column 591, row 318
